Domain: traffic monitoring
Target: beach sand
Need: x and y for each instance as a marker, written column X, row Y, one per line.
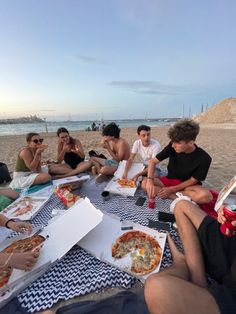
column 217, row 139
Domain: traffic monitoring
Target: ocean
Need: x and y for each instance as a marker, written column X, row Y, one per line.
column 24, row 128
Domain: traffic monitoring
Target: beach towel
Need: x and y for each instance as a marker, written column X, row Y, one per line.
column 4, row 202
column 23, row 180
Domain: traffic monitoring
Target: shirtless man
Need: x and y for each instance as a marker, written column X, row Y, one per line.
column 116, row 146
column 145, row 147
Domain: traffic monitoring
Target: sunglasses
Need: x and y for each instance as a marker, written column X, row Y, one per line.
column 38, row 141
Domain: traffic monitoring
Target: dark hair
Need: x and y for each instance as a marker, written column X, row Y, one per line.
column 184, row 130
column 111, row 130
column 143, row 127
column 30, row 135
column 62, row 130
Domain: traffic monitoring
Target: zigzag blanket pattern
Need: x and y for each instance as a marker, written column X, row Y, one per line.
column 79, row 272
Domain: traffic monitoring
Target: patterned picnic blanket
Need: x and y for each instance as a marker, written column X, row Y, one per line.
column 78, row 272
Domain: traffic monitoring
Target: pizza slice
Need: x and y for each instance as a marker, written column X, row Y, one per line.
column 126, row 183
column 20, row 246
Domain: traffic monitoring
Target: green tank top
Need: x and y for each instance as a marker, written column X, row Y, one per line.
column 20, row 165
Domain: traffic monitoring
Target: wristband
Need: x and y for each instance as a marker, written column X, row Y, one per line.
column 7, row 222
column 150, row 178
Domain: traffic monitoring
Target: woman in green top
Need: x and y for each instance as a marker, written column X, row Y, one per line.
column 28, row 165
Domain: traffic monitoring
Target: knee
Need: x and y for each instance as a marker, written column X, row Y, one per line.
column 204, row 196
column 47, row 177
column 155, row 290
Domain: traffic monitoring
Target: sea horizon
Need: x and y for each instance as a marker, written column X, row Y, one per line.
column 52, row 126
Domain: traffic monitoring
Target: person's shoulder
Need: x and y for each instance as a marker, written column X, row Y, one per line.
column 154, row 142
column 202, row 152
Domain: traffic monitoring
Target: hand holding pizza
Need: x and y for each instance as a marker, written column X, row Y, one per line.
column 24, row 261
column 20, row 226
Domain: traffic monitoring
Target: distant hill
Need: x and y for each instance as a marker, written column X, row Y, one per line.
column 30, row 119
column 222, row 112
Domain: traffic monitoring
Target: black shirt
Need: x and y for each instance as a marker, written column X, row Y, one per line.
column 183, row 166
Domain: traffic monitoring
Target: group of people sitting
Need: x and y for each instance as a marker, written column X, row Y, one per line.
column 187, row 167
column 182, row 288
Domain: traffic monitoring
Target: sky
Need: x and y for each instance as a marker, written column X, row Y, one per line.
column 115, row 59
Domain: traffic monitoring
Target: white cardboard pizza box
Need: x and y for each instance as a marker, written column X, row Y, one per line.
column 77, row 221
column 114, row 187
column 224, row 197
column 99, row 241
column 73, row 180
column 37, row 203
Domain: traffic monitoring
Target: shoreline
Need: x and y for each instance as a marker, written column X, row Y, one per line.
column 217, row 140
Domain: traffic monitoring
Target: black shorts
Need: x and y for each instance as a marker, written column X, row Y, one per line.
column 219, row 253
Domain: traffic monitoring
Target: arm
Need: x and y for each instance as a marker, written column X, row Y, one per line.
column 61, row 150
column 128, row 165
column 32, row 162
column 18, row 226
column 79, row 149
column 151, row 169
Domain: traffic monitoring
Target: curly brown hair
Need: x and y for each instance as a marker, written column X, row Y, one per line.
column 184, row 130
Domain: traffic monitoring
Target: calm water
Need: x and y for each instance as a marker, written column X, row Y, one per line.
column 23, row 128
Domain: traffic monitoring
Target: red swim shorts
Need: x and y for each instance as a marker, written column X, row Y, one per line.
column 169, row 182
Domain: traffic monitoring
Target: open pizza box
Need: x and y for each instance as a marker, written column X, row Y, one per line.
column 74, row 181
column 77, row 221
column 25, row 207
column 99, row 242
column 225, row 196
column 114, row 187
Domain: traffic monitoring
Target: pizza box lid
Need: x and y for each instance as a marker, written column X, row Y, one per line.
column 76, row 222
column 115, row 188
column 74, row 181
column 224, row 193
column 37, row 203
column 111, row 225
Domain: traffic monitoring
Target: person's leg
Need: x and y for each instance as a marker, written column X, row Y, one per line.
column 170, row 292
column 42, row 178
column 97, row 160
column 9, row 193
column 59, row 169
column 81, row 167
column 198, row 194
column 188, row 218
column 108, row 170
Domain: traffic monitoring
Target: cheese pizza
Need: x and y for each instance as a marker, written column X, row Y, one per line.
column 144, row 250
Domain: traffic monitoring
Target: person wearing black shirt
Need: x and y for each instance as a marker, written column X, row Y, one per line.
column 187, row 168
column 183, row 287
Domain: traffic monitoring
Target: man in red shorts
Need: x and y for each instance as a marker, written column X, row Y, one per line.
column 187, row 168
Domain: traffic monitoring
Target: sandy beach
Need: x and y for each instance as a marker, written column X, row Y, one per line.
column 217, row 139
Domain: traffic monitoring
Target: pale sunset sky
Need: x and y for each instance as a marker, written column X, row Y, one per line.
column 118, row 59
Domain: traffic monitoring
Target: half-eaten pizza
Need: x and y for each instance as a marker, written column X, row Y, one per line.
column 144, row 250
column 20, row 246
